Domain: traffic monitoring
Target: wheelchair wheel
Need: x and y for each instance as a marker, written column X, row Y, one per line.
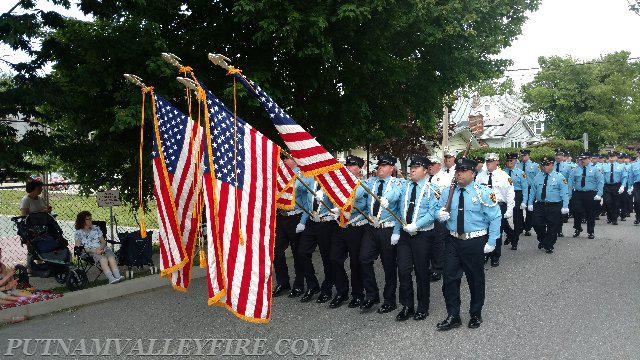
column 61, row 277
column 77, row 279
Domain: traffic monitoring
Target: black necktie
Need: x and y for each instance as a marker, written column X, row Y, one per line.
column 447, row 171
column 544, row 187
column 316, row 204
column 611, row 176
column 376, row 204
column 412, row 203
column 583, row 182
column 510, row 172
column 431, row 178
column 460, row 224
column 490, row 182
column 558, row 167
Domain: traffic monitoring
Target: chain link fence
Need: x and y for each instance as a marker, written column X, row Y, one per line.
column 66, row 203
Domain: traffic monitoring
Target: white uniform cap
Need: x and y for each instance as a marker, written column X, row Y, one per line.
column 491, row 157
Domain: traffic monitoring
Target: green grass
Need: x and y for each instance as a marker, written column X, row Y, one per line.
column 67, row 206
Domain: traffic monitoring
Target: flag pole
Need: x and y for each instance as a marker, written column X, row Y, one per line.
column 222, row 61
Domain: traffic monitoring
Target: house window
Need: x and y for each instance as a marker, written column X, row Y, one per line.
column 538, row 128
column 516, row 143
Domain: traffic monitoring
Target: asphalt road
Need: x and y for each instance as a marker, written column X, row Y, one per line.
column 582, row 302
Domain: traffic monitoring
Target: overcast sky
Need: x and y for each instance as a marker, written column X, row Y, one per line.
column 584, row 29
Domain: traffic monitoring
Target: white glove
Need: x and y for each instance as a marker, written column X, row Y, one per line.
column 376, row 222
column 412, row 229
column 443, row 215
column 621, row 190
column 630, row 191
column 319, row 195
column 523, row 206
column 395, row 238
column 597, row 198
column 564, row 211
column 488, row 248
column 530, row 208
column 300, row 228
column 335, row 212
column 384, row 202
column 315, row 216
column 508, row 214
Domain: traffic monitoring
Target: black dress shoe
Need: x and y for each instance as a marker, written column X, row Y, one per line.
column 308, row 296
column 514, row 247
column 560, row 235
column 540, row 246
column 295, row 292
column 615, row 222
column 434, row 277
column 280, row 290
column 527, row 233
column 608, row 221
column 323, row 298
column 337, row 301
column 549, row 251
column 405, row 314
column 577, row 233
column 355, row 302
column 420, row 315
column 623, row 219
column 636, row 222
column 486, row 258
column 507, row 242
column 495, row 263
column 385, row 308
column 591, row 236
column 449, row 323
column 368, row 304
column 475, row 321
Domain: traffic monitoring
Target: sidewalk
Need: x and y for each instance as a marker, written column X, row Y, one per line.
column 93, row 295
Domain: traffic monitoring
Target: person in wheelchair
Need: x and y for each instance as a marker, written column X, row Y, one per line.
column 32, row 202
column 90, row 237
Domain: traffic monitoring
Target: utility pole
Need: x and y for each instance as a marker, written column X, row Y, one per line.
column 585, row 141
column 445, row 130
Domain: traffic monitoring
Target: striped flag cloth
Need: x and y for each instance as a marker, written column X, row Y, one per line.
column 312, row 158
column 177, row 167
column 242, row 190
column 285, row 187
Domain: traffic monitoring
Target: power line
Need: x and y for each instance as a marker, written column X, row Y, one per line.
column 583, row 63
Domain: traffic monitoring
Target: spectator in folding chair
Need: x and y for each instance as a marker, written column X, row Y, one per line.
column 92, row 239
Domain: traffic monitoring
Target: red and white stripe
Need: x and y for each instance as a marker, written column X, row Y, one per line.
column 248, row 266
column 314, row 160
column 285, row 189
column 188, row 194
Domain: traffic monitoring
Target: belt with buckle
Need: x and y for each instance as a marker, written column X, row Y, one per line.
column 323, row 219
column 469, row 235
column 383, row 225
column 359, row 223
column 430, row 227
column 289, row 213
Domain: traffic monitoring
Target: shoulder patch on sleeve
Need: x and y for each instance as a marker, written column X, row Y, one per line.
column 492, row 196
column 524, row 176
column 437, row 194
column 565, row 181
column 510, row 181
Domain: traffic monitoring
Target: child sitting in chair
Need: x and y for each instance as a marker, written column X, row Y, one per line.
column 90, row 236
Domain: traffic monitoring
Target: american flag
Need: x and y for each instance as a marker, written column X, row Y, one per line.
column 312, row 158
column 285, row 187
column 245, row 196
column 177, row 172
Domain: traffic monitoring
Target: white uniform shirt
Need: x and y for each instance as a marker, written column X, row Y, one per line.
column 444, row 178
column 502, row 186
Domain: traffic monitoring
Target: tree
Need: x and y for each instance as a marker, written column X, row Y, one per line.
column 348, row 71
column 600, row 98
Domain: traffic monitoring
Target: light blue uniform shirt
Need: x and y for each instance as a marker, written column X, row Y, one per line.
column 633, row 175
column 619, row 173
column 594, row 181
column 426, row 204
column 557, row 189
column 481, row 210
column 391, row 190
column 310, row 199
column 360, row 202
column 301, row 191
column 530, row 168
column 520, row 181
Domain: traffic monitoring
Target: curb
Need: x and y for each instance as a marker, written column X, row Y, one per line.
column 94, row 295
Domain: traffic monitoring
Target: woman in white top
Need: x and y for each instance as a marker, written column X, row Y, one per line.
column 32, row 202
column 90, row 236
